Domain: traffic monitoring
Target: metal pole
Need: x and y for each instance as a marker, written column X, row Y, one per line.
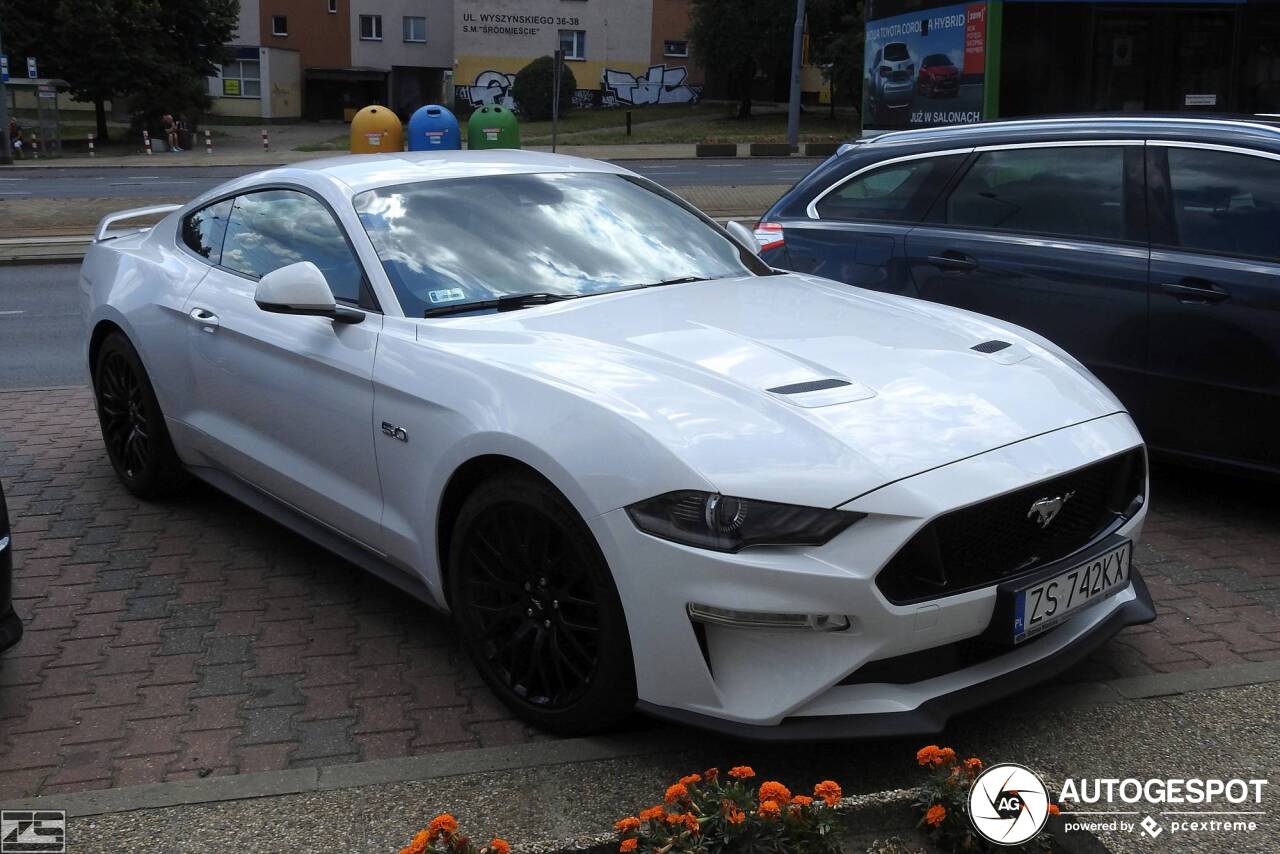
column 797, row 51
column 558, row 59
column 6, row 155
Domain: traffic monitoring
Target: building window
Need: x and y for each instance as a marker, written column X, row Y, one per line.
column 241, row 78
column 415, row 29
column 333, row 7
column 279, row 25
column 670, row 48
column 371, row 27
column 574, row 44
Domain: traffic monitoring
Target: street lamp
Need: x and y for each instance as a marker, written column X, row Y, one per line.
column 797, row 51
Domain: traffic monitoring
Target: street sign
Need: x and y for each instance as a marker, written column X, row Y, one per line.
column 31, row 68
column 4, row 67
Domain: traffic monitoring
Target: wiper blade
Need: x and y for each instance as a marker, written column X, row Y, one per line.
column 679, row 280
column 510, row 302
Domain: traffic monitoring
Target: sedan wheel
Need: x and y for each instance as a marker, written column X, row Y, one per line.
column 538, row 609
column 133, row 427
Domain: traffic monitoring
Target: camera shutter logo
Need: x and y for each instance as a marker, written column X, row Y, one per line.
column 1008, row 804
column 33, row 831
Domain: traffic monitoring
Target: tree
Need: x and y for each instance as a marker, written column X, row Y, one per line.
column 836, row 33
column 741, row 37
column 109, row 49
column 534, row 85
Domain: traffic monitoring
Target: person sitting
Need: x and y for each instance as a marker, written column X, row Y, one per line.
column 171, row 131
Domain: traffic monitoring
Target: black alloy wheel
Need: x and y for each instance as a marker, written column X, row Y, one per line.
column 538, row 609
column 133, row 427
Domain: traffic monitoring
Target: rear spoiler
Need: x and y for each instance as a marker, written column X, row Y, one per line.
column 100, row 233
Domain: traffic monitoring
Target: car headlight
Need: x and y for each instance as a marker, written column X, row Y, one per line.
column 709, row 520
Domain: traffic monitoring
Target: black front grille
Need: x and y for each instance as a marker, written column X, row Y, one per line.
column 930, row 663
column 999, row 538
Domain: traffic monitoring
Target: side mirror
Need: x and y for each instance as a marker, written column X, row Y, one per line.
column 743, row 235
column 301, row 289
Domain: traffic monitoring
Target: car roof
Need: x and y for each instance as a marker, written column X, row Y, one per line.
column 1262, row 130
column 360, row 172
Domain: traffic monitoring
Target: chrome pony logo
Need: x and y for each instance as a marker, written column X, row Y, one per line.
column 1045, row 510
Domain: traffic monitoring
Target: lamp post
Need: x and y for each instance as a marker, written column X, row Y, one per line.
column 6, row 155
column 797, row 51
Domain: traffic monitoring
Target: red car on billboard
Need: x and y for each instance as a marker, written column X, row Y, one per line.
column 938, row 77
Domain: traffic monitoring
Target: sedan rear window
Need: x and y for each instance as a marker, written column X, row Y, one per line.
column 458, row 241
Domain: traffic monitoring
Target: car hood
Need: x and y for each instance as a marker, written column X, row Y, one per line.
column 790, row 387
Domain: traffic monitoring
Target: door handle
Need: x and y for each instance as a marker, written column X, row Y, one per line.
column 1190, row 290
column 952, row 260
column 205, row 318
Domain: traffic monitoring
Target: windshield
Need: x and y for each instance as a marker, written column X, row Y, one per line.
column 936, row 59
column 896, row 52
column 473, row 240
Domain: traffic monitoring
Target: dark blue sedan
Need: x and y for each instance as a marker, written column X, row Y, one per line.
column 1148, row 247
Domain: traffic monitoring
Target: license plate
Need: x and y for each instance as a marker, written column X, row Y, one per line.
column 1047, row 603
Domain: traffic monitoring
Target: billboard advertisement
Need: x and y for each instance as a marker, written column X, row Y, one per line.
column 925, row 68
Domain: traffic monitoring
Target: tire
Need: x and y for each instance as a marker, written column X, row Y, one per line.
column 537, row 608
column 133, row 427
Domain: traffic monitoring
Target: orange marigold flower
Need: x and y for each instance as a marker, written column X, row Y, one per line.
column 774, row 791
column 1054, row 809
column 946, row 756
column 676, row 793
column 935, row 815
column 418, row 845
column 829, row 791
column 770, row 810
column 674, row 818
column 499, row 846
column 973, row 765
column 742, row 772
column 629, row 845
column 690, row 779
column 443, row 823
column 653, row 813
column 735, row 816
column 802, row 800
column 622, row 825
column 710, row 774
column 691, row 823
column 927, row 755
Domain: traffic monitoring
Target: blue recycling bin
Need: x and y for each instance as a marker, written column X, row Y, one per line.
column 434, row 128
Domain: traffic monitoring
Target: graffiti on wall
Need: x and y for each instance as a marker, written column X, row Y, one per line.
column 659, row 85
column 491, row 87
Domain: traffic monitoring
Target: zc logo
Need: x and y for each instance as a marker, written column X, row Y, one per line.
column 1008, row 804
column 33, row 831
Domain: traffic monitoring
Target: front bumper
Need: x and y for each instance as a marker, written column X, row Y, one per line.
column 786, row 683
column 932, row 715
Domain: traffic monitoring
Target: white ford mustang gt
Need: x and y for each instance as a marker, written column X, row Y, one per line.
column 639, row 467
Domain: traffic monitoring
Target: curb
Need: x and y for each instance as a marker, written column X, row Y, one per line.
column 562, row 752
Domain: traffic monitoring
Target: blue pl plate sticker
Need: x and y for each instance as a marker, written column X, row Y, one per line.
column 447, row 295
column 1019, row 616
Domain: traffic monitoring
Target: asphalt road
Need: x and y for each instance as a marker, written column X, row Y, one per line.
column 40, row 332
column 138, row 181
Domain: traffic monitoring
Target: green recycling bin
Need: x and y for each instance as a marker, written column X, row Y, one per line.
column 493, row 126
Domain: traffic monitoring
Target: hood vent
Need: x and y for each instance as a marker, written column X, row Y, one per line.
column 990, row 346
column 811, row 394
column 811, row 385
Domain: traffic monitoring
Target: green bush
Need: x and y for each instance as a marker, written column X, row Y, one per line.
column 534, row 87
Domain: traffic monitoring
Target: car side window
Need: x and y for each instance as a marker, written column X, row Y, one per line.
column 897, row 192
column 1073, row 191
column 276, row 228
column 203, row 230
column 1225, row 203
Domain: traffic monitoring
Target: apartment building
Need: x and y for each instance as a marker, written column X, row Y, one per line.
column 321, row 59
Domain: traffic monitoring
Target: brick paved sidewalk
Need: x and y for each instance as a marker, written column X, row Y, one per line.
column 194, row 637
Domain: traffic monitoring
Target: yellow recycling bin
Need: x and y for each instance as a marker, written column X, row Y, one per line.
column 376, row 130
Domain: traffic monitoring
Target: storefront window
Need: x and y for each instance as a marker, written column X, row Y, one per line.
column 241, row 79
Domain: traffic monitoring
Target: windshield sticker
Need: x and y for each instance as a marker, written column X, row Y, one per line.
column 448, row 295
